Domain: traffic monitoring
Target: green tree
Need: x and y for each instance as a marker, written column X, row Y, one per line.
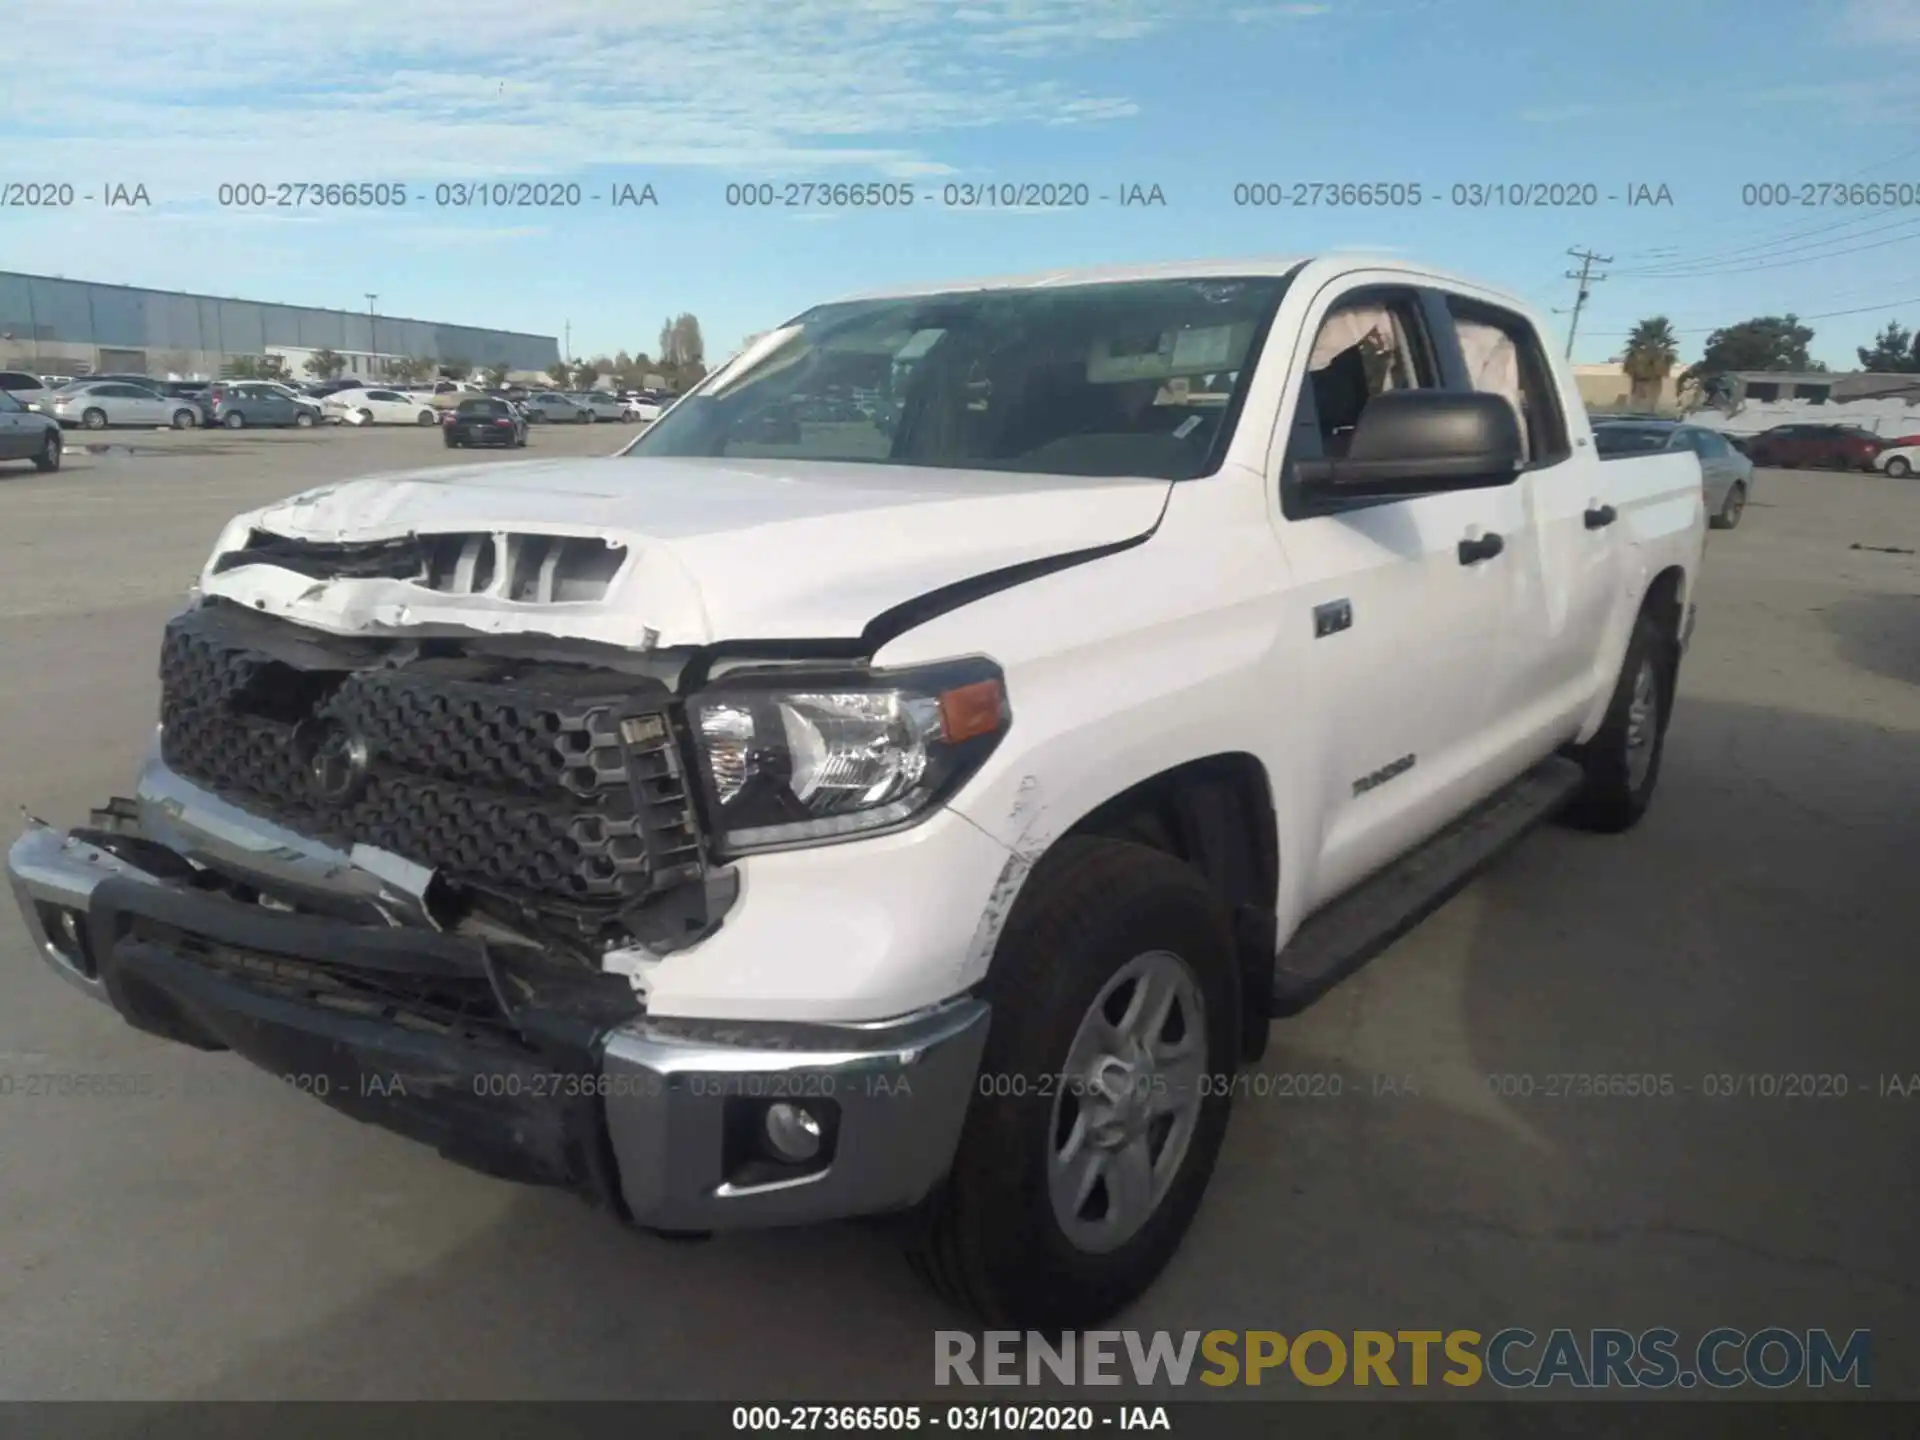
column 326, row 364
column 1766, row 342
column 586, row 374
column 1895, row 351
column 1652, row 352
column 456, row 368
column 496, row 376
column 255, row 367
column 561, row 373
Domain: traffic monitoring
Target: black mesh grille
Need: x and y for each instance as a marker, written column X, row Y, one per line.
column 548, row 781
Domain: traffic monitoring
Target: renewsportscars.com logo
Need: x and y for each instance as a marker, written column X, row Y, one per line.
column 1513, row 1359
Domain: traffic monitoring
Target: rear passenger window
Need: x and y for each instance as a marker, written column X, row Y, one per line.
column 1503, row 356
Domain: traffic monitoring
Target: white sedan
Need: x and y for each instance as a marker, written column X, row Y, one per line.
column 1898, row 461
column 644, row 408
column 381, row 407
column 553, row 406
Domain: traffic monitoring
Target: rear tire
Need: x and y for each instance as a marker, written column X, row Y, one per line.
column 1097, row 916
column 94, row 419
column 47, row 459
column 235, row 420
column 1622, row 760
column 1731, row 508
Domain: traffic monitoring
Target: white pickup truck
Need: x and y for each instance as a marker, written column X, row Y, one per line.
column 920, row 812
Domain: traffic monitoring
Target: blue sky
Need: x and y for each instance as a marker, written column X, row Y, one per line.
column 1700, row 96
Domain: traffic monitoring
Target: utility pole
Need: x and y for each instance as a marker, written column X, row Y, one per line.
column 1585, row 276
column 566, row 347
column 373, row 330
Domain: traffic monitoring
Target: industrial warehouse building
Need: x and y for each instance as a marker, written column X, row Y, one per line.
column 75, row 327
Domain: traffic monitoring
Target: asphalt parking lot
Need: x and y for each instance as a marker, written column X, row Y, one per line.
column 224, row 1237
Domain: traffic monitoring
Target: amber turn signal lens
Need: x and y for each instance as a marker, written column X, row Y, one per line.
column 972, row 710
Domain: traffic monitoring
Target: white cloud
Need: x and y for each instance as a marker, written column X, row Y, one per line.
column 1882, row 22
column 181, row 98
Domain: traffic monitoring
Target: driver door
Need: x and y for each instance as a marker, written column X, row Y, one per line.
column 1403, row 651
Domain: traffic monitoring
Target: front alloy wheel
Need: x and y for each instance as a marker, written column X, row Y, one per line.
column 1129, row 1101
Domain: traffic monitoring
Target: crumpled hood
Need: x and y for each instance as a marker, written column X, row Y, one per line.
column 715, row 549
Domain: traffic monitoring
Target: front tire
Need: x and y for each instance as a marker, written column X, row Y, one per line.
column 183, row 420
column 303, row 421
column 1899, row 468
column 1731, row 508
column 47, row 459
column 1622, row 760
column 426, row 417
column 1072, row 1187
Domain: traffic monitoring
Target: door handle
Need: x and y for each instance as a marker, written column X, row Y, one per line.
column 1472, row 552
column 1600, row 516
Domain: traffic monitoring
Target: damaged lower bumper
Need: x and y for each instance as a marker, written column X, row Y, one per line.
column 671, row 1123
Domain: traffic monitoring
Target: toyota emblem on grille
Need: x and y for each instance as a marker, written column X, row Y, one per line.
column 337, row 766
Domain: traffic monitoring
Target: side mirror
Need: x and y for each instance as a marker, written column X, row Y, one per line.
column 1416, row 441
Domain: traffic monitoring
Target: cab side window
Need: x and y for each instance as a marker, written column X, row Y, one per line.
column 1364, row 348
column 1503, row 356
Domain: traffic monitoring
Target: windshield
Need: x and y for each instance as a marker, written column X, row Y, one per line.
column 1629, row 439
column 1138, row 378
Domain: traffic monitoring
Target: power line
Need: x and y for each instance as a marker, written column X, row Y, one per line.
column 1726, row 265
column 1585, row 277
column 1820, row 315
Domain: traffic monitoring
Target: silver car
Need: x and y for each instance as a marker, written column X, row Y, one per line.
column 600, row 404
column 552, row 405
column 96, row 404
column 1726, row 474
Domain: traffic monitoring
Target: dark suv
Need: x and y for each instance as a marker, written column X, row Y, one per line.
column 1839, row 447
column 483, row 421
column 237, row 404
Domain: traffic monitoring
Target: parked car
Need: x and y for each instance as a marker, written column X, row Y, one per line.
column 321, row 389
column 1842, row 447
column 56, row 382
column 381, row 407
column 483, row 421
column 1725, row 474
column 551, row 405
column 642, row 406
column 97, row 404
column 238, row 404
column 1899, row 461
column 599, row 404
column 23, row 387
column 1150, row 734
column 26, row 435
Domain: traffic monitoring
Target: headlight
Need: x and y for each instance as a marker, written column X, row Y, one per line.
column 795, row 758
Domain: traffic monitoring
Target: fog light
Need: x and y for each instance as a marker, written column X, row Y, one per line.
column 70, row 929
column 793, row 1132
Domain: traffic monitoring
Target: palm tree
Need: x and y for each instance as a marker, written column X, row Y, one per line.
column 1652, row 352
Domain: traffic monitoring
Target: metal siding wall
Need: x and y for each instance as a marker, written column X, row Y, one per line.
column 79, row 313
column 240, row 329
column 61, row 306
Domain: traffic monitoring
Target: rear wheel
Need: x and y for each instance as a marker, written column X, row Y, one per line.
column 94, row 419
column 1622, row 760
column 47, row 458
column 1095, row 1127
column 235, row 420
column 366, row 417
column 1731, row 508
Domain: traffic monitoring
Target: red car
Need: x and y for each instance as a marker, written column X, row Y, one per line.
column 1841, row 447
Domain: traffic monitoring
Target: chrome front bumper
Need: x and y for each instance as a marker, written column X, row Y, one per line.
column 670, row 1114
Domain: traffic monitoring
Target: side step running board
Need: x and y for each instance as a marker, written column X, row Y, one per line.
column 1341, row 937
